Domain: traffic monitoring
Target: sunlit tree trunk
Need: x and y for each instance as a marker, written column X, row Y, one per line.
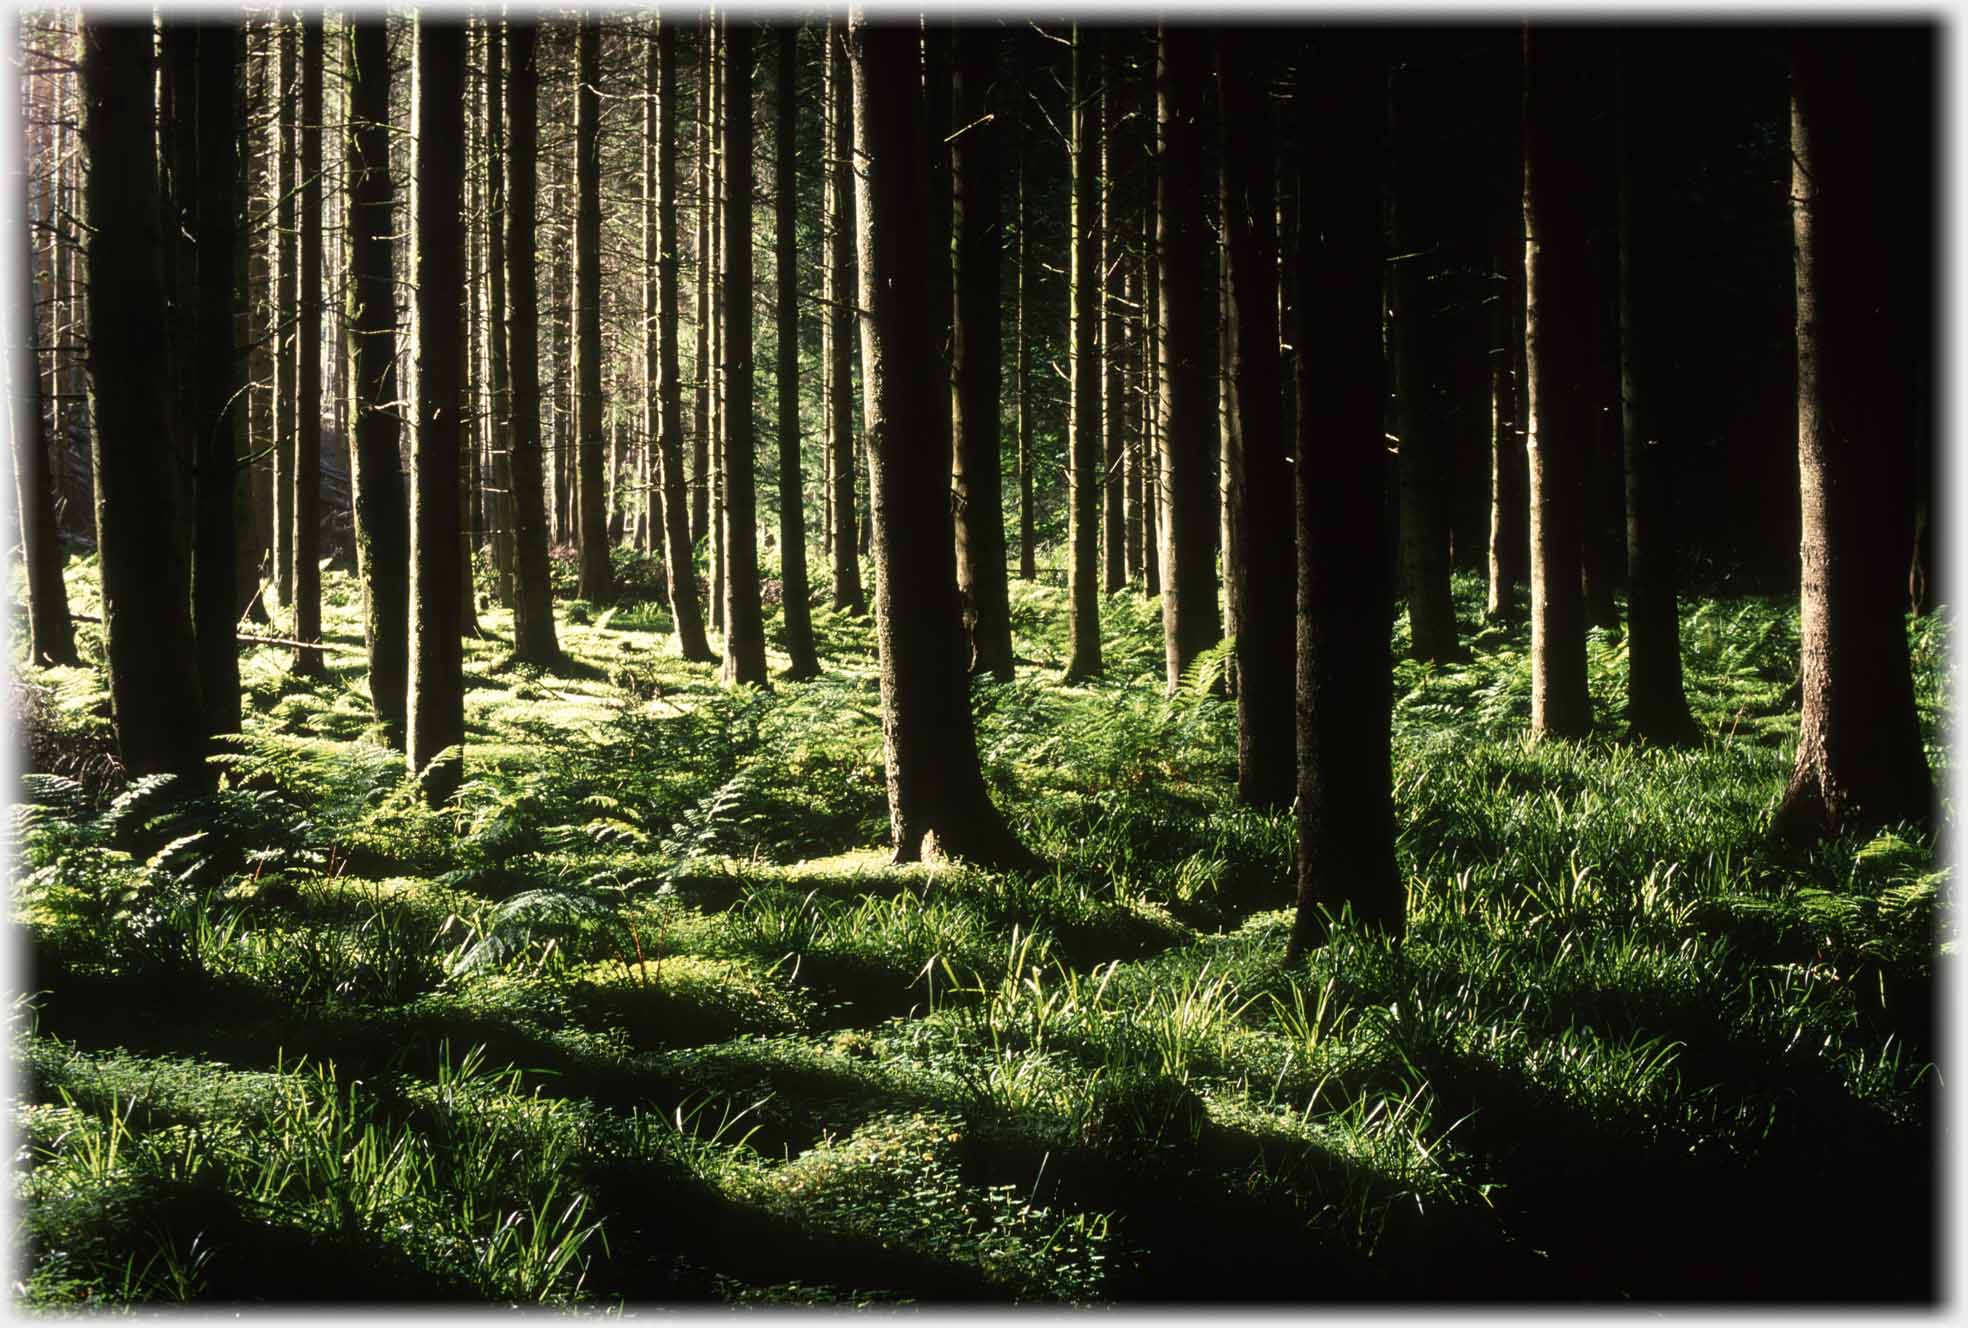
column 803, row 663
column 1113, row 533
column 306, row 548
column 1083, row 428
column 700, row 440
column 836, row 329
column 287, row 318
column 1027, row 281
column 744, row 625
column 50, row 629
column 596, row 581
column 503, row 557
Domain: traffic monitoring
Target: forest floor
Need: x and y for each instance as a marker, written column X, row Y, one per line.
column 645, row 1016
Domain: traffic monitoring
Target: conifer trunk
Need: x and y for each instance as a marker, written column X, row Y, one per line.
column 836, row 328
column 1083, row 426
column 217, row 375
column 744, row 625
column 794, row 593
column 306, row 575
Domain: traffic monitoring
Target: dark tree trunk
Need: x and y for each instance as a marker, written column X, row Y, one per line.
column 287, row 319
column 1261, row 562
column 306, row 575
column 534, row 641
column 719, row 369
column 435, row 720
column 938, row 805
column 500, row 366
column 1656, row 705
column 836, row 329
column 1509, row 551
column 1188, row 382
column 1427, row 453
column 154, row 694
column 1559, row 383
column 1864, row 262
column 217, row 375
column 50, row 630
column 686, row 604
column 977, row 362
column 1154, row 504
column 263, row 337
column 1083, row 428
column 700, row 441
column 1027, row 283
column 1113, row 541
column 596, row 582
column 795, row 593
column 382, row 520
column 1345, row 810
column 744, row 624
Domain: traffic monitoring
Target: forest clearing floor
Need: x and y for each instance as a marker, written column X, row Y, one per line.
column 644, row 1014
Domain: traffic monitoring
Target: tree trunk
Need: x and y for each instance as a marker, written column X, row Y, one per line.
column 1509, row 553
column 1027, row 282
column 257, row 554
column 217, row 376
column 382, row 520
column 1261, row 562
column 306, row 576
column 835, row 330
column 436, row 714
column 1083, row 429
column 686, row 606
column 938, row 805
column 1656, row 705
column 700, row 442
column 534, row 641
column 286, row 321
column 720, row 296
column 50, row 630
column 596, row 582
column 1113, row 542
column 1153, row 498
column 154, row 695
column 977, row 362
column 495, row 174
column 1864, row 273
column 744, row 625
column 1188, row 321
column 1427, row 453
column 1345, row 811
column 1558, row 383
column 794, row 592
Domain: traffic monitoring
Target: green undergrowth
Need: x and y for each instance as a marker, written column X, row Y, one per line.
column 644, row 1014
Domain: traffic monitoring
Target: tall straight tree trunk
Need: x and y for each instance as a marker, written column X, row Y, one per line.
column 1227, row 442
column 287, row 319
column 534, row 641
column 1656, row 704
column 495, row 175
column 938, row 804
column 1559, row 383
column 1028, row 569
column 263, row 245
column 217, row 377
column 1188, row 326
column 382, row 518
column 1130, row 415
column 1261, row 562
column 720, row 297
column 837, row 315
column 50, row 629
column 744, row 618
column 1345, row 809
column 1083, row 427
column 436, row 712
column 596, row 580
column 795, row 592
column 700, row 442
column 1864, row 262
column 1427, row 455
column 686, row 605
column 154, row 696
column 977, row 361
column 1509, row 481
column 306, row 576
column 1113, row 257
column 1154, row 501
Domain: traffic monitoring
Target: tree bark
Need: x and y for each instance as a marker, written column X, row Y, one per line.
column 1509, row 553
column 977, row 361
column 1559, row 383
column 534, row 641
column 700, row 441
column 1188, row 384
column 1345, row 811
column 1027, row 282
column 686, row 606
column 1864, row 276
column 1261, row 563
column 794, row 593
column 503, row 557
column 596, row 581
column 744, row 619
column 1083, row 427
column 286, row 321
column 155, row 702
column 382, row 519
column 50, row 629
column 836, row 348
column 1656, row 705
column 306, row 576
column 938, row 805
column 1113, row 257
